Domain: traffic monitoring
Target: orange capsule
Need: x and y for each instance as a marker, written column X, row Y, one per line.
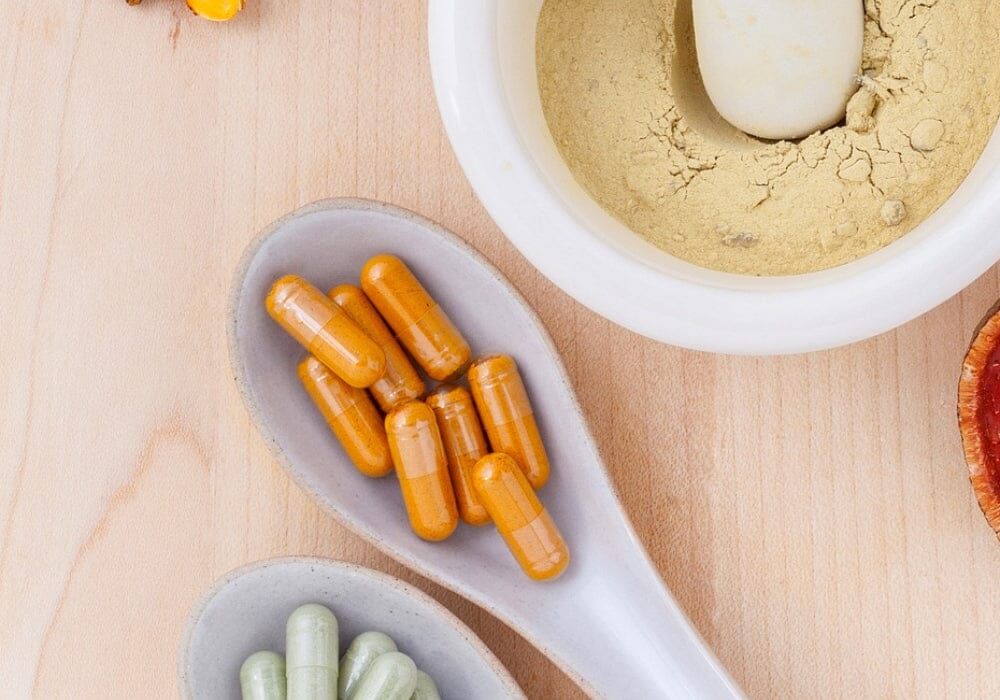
column 417, row 320
column 351, row 415
column 464, row 444
column 507, row 416
column 422, row 469
column 400, row 382
column 521, row 519
column 325, row 330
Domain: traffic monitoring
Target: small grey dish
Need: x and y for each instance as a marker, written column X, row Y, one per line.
column 246, row 610
column 608, row 621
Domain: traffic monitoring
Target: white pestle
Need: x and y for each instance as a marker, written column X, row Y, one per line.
column 779, row 69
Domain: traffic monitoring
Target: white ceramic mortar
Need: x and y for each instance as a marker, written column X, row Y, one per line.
column 483, row 63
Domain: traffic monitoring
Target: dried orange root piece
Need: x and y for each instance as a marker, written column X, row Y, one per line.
column 979, row 416
column 217, row 10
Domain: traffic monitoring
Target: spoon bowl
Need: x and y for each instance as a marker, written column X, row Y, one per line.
column 246, row 610
column 609, row 621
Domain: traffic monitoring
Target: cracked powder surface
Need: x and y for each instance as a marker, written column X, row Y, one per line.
column 624, row 102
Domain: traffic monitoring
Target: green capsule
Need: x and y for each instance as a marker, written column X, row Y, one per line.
column 312, row 650
column 362, row 651
column 391, row 676
column 426, row 690
column 262, row 676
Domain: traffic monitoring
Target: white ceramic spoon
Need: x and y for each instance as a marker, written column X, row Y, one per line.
column 780, row 69
column 608, row 622
column 247, row 609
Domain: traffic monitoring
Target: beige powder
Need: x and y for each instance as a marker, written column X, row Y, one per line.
column 625, row 104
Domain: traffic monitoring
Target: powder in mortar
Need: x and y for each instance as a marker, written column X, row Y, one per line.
column 625, row 104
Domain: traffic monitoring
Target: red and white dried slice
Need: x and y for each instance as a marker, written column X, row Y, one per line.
column 979, row 415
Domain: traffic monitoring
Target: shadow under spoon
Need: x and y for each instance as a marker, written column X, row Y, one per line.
column 608, row 622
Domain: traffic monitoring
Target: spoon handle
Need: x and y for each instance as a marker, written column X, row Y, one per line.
column 619, row 633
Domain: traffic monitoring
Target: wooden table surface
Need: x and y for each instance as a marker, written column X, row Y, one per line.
column 811, row 514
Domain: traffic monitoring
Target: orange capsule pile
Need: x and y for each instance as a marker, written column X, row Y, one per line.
column 361, row 342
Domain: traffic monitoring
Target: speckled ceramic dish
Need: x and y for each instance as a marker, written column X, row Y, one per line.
column 608, row 621
column 246, row 612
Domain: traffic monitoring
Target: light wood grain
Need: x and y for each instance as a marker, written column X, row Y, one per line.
column 812, row 514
